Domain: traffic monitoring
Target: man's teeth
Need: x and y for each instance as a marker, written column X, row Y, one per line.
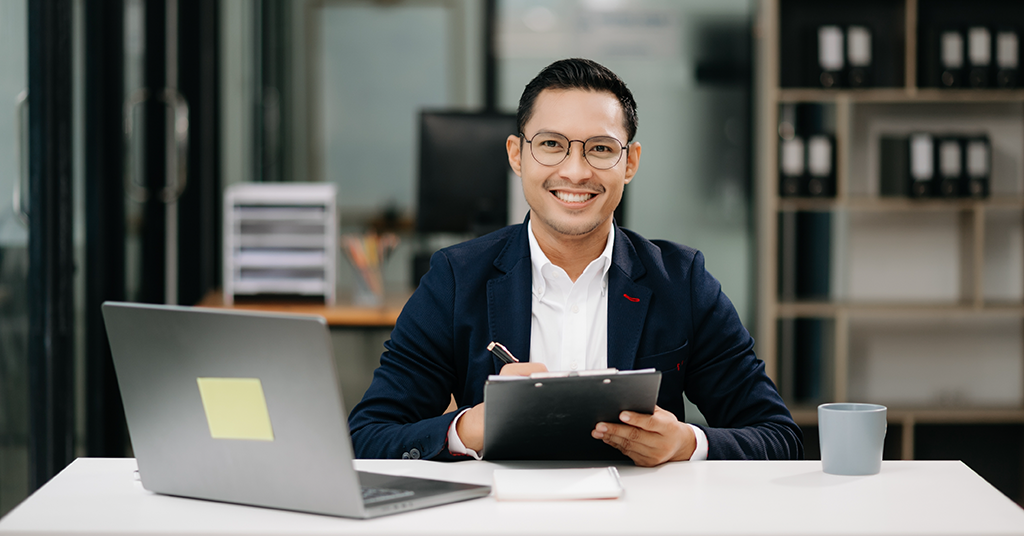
column 573, row 198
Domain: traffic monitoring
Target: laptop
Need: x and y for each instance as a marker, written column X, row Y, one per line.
column 245, row 407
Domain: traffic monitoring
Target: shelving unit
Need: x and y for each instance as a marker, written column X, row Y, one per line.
column 970, row 283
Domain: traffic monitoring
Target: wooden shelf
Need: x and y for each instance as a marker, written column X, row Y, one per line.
column 900, row 95
column 856, row 248
column 897, row 204
column 818, row 309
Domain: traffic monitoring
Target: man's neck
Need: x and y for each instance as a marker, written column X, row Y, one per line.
column 572, row 253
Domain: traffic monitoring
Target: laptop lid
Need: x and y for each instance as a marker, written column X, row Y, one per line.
column 243, row 407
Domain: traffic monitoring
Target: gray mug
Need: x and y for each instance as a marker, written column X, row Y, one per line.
column 851, row 438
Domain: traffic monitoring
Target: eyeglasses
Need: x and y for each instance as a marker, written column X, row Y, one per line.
column 550, row 149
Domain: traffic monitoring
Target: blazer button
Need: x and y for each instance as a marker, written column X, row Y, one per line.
column 405, row 455
column 414, row 454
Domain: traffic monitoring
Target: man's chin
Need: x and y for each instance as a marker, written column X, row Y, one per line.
column 573, row 228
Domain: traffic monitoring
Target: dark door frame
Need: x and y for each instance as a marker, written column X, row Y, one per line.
column 104, row 220
column 199, row 206
column 51, row 254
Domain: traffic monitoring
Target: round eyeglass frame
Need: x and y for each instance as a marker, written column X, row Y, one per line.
column 568, row 149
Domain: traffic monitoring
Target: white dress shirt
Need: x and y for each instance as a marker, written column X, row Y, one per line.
column 569, row 324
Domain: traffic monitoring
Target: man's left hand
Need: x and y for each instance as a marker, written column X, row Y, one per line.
column 649, row 439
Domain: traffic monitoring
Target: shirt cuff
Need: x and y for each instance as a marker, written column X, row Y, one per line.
column 456, row 447
column 701, row 452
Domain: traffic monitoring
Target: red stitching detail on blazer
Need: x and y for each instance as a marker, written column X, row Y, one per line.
column 630, row 298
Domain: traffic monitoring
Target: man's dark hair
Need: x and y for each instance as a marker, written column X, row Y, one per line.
column 578, row 73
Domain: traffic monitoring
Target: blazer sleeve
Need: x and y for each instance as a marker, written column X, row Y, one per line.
column 400, row 414
column 747, row 418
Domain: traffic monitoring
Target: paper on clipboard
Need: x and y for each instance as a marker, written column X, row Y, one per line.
column 557, row 484
column 568, row 374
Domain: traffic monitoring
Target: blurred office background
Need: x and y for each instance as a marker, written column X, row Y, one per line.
column 280, row 91
column 108, row 192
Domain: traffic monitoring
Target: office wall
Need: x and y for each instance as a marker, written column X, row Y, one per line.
column 693, row 185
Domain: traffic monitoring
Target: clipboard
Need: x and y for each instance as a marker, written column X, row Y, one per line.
column 549, row 416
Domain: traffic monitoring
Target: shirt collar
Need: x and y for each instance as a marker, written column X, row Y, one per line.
column 539, row 260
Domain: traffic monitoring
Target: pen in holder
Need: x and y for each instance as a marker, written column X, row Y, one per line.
column 367, row 255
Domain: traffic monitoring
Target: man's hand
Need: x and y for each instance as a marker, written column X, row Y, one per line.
column 649, row 439
column 470, row 427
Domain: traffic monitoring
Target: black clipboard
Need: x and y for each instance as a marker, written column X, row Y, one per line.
column 550, row 418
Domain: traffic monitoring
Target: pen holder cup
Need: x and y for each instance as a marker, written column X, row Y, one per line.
column 366, row 292
column 366, row 255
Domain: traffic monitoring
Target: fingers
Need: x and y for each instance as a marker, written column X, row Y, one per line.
column 638, row 444
column 522, row 369
column 648, row 439
column 642, row 421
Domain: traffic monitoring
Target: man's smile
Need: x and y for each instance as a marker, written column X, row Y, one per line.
column 573, row 195
column 573, row 198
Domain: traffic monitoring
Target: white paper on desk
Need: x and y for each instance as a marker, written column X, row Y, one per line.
column 556, row 484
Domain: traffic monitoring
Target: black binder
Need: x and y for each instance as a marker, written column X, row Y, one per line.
column 1007, row 57
column 979, row 56
column 792, row 166
column 894, row 170
column 830, row 56
column 921, row 153
column 551, row 418
column 791, row 153
column 978, row 166
column 951, row 166
column 821, row 169
column 859, row 56
column 951, row 58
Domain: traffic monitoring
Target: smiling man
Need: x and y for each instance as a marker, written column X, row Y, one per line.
column 570, row 290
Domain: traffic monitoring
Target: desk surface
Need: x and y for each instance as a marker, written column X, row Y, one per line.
column 101, row 496
column 343, row 314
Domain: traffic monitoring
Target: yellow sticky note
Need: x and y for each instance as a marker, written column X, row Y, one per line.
column 236, row 408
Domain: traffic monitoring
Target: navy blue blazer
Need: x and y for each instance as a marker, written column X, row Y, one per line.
column 665, row 311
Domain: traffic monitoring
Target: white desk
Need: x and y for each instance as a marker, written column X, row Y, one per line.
column 101, row 496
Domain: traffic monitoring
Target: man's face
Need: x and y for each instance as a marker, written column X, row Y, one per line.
column 573, row 199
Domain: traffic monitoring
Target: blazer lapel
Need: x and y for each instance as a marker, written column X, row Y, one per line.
column 509, row 298
column 628, row 302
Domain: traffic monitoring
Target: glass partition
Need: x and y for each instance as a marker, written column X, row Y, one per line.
column 14, row 411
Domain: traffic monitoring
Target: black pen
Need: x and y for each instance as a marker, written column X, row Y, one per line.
column 503, row 354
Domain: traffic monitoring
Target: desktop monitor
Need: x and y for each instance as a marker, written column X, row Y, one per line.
column 463, row 181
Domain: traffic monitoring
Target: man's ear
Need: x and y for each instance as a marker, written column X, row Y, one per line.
column 513, row 148
column 632, row 160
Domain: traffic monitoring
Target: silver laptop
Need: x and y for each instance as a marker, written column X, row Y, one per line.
column 244, row 407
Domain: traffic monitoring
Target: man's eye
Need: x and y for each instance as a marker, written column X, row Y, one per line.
column 550, row 144
column 600, row 149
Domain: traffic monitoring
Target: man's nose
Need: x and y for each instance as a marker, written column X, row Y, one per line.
column 575, row 166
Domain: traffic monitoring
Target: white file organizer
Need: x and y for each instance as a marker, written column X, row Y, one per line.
column 280, row 238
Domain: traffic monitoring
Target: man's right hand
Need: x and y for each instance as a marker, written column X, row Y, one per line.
column 470, row 427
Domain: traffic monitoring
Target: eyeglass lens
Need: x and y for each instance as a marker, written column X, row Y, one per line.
column 550, row 149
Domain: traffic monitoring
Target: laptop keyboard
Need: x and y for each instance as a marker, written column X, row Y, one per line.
column 376, row 495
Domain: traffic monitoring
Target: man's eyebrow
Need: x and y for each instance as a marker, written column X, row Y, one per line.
column 545, row 131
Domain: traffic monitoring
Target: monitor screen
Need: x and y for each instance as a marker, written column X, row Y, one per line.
column 463, row 181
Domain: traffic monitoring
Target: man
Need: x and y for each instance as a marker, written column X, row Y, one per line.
column 570, row 290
